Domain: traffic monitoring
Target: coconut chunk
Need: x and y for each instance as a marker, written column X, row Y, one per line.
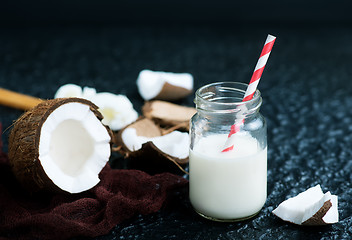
column 146, row 127
column 168, row 114
column 89, row 93
column 332, row 215
column 311, row 207
column 116, row 109
column 143, row 144
column 164, row 85
column 174, row 144
column 69, row 90
column 64, row 146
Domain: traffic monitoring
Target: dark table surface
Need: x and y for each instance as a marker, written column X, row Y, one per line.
column 306, row 88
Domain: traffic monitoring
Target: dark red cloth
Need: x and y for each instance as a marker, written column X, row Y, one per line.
column 120, row 195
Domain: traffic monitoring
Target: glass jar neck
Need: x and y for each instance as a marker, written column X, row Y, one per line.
column 225, row 98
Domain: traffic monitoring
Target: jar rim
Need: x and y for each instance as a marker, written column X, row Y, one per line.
column 240, row 87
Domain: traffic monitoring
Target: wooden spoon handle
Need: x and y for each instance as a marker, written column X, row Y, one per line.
column 18, row 100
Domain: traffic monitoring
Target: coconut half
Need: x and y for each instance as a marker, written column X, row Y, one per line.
column 147, row 149
column 164, row 85
column 60, row 145
column 311, row 207
column 168, row 114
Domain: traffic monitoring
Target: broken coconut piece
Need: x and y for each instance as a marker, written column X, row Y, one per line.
column 60, row 145
column 69, row 90
column 311, row 207
column 168, row 114
column 147, row 149
column 174, row 144
column 164, row 85
column 117, row 109
column 89, row 93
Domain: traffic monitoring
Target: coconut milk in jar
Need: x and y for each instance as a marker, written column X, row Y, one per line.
column 227, row 186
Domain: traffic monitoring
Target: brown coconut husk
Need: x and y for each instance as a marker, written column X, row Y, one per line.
column 317, row 218
column 144, row 127
column 149, row 158
column 24, row 139
column 171, row 92
column 153, row 161
column 168, row 115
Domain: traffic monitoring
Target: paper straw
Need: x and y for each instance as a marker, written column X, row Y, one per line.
column 252, row 87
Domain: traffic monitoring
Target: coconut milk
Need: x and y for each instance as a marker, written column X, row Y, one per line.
column 228, row 186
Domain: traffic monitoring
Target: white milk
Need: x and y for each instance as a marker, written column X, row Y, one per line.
column 228, row 186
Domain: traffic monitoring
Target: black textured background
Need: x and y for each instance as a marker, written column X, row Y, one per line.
column 306, row 88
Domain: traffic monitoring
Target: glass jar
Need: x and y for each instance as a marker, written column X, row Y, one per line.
column 227, row 186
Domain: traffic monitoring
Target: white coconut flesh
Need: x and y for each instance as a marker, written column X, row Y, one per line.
column 332, row 216
column 117, row 110
column 302, row 207
column 150, row 83
column 175, row 144
column 69, row 90
column 74, row 146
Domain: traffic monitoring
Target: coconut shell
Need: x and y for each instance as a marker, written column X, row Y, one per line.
column 171, row 92
column 149, row 158
column 144, row 127
column 317, row 218
column 168, row 115
column 24, row 144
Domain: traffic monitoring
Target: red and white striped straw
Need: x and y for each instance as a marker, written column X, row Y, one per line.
column 252, row 87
